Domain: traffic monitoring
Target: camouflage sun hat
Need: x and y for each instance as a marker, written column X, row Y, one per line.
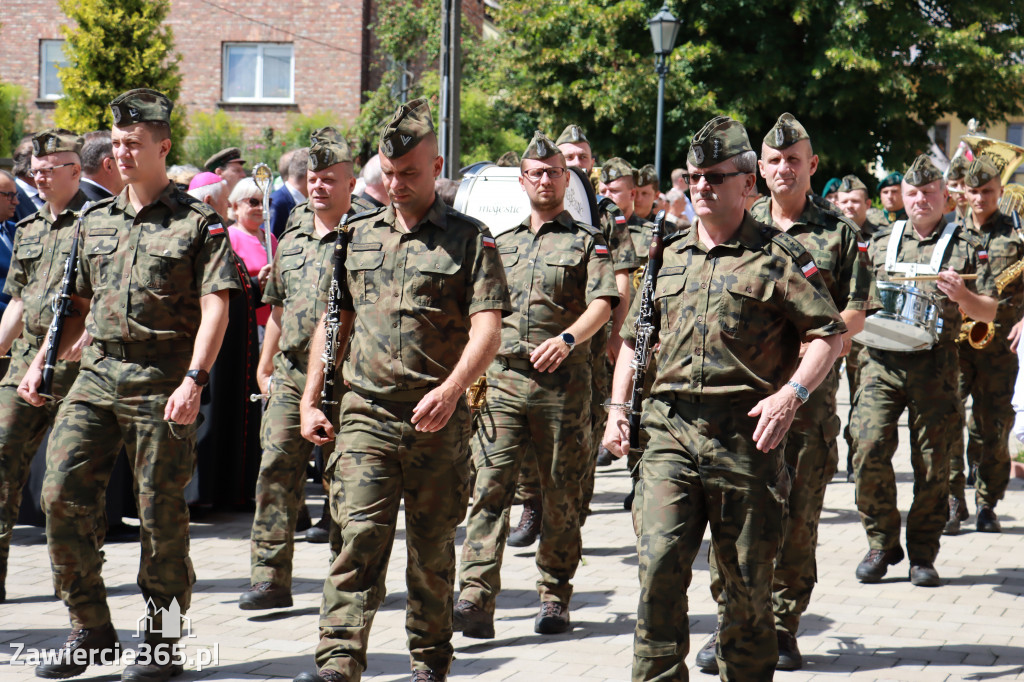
column 55, row 140
column 508, row 160
column 922, row 172
column 572, row 134
column 141, row 105
column 957, row 168
column 615, row 168
column 324, row 153
column 889, row 180
column 786, row 132
column 541, row 147
column 849, row 183
column 327, row 133
column 409, row 125
column 223, row 158
column 721, row 138
column 645, row 176
column 981, row 172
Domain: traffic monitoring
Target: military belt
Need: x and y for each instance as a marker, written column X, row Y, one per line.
column 143, row 350
column 506, row 362
column 33, row 340
column 681, row 397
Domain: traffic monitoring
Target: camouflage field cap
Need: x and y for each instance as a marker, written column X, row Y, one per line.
column 615, row 168
column 645, row 175
column 957, row 168
column 141, row 105
column 786, row 132
column 326, row 133
column 981, row 172
column 409, row 125
column 572, row 134
column 55, row 140
column 541, row 147
column 922, row 172
column 508, row 160
column 223, row 158
column 721, row 138
column 850, row 183
column 889, row 180
column 325, row 152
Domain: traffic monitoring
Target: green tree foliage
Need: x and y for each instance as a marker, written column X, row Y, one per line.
column 867, row 77
column 113, row 46
column 209, row 133
column 13, row 117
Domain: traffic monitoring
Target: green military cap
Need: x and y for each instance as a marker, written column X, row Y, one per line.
column 55, row 140
column 541, row 147
column 223, row 158
column 922, row 172
column 645, row 175
column 721, row 138
column 615, row 168
column 508, row 160
column 572, row 134
column 981, row 172
column 141, row 105
column 957, row 168
column 326, row 133
column 406, row 128
column 325, row 152
column 831, row 186
column 889, row 180
column 786, row 132
column 850, row 183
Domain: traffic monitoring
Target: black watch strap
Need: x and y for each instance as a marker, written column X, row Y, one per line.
column 200, row 376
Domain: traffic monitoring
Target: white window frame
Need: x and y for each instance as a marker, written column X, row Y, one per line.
column 43, row 44
column 1018, row 176
column 258, row 99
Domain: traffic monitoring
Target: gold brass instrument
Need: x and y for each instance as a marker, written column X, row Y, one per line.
column 476, row 394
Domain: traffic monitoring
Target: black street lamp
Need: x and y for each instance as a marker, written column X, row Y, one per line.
column 664, row 29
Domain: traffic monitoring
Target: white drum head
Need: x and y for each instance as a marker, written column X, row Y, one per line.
column 884, row 333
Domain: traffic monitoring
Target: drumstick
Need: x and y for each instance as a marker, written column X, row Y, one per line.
column 926, row 278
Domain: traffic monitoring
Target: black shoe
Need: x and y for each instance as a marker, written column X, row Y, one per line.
column 706, row 659
column 321, row 533
column 473, row 621
column 552, row 619
column 876, row 562
column 604, row 458
column 924, row 575
column 987, row 520
column 525, row 534
column 303, row 522
column 156, row 672
column 957, row 513
column 321, row 676
column 427, row 676
column 627, row 501
column 265, row 596
column 3, row 593
column 99, row 639
column 789, row 653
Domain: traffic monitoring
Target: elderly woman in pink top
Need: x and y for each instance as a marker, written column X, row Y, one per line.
column 246, row 236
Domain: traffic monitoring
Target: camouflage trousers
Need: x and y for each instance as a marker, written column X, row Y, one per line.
column 700, row 468
column 528, row 414
column 988, row 376
column 854, row 361
column 380, row 460
column 925, row 384
column 811, row 458
column 115, row 402
column 282, row 476
column 22, row 427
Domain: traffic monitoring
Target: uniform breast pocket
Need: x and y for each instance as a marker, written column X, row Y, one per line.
column 668, row 302
column 100, row 252
column 743, row 304
column 435, row 278
column 164, row 264
column 825, row 260
column 564, row 272
column 365, row 270
column 29, row 253
column 509, row 260
column 291, row 270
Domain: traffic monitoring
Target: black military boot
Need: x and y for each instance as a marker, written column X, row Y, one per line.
column 988, row 522
column 321, row 532
column 265, row 595
column 93, row 640
column 473, row 621
column 706, row 659
column 163, row 661
column 525, row 534
column 876, row 562
column 789, row 652
column 321, row 676
column 957, row 513
column 427, row 676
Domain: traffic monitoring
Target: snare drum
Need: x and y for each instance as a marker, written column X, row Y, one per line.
column 909, row 320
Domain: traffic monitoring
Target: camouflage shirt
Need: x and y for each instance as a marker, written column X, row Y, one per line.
column 359, row 205
column 553, row 276
column 41, row 247
column 413, row 294
column 961, row 255
column 1002, row 247
column 615, row 229
column 146, row 272
column 640, row 233
column 300, row 279
column 835, row 244
column 732, row 317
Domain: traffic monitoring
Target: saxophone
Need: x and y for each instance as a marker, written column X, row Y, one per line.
column 980, row 334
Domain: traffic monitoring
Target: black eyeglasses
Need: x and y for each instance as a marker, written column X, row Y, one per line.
column 710, row 178
column 47, row 172
column 537, row 173
column 10, row 196
column 254, row 202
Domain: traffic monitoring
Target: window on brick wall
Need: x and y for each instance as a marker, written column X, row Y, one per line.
column 1015, row 135
column 259, row 72
column 51, row 58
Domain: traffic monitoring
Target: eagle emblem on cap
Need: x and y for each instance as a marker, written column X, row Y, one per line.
column 389, row 150
column 698, row 154
column 117, row 115
column 575, row 134
column 51, row 145
column 542, row 149
column 37, row 148
column 780, row 136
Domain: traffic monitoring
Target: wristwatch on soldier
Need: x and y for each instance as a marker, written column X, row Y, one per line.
column 800, row 390
column 200, row 376
column 568, row 339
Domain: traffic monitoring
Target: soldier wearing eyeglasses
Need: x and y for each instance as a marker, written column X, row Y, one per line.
column 735, row 299
column 562, row 286
column 811, row 452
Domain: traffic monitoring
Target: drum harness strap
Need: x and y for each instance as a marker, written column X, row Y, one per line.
column 914, row 269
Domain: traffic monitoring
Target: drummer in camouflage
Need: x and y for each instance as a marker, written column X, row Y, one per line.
column 924, row 382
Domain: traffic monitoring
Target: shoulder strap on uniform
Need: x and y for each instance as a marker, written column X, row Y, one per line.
column 367, row 214
column 791, row 246
column 94, row 205
column 606, row 204
column 589, row 229
column 973, row 239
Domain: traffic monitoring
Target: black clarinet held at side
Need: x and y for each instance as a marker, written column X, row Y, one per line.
column 647, row 325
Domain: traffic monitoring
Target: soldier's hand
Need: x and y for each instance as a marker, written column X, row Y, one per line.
column 776, row 414
column 264, row 380
column 952, row 285
column 29, row 386
column 183, row 405
column 616, row 433
column 74, row 354
column 263, row 275
column 847, row 346
column 548, row 356
column 315, row 426
column 1014, row 336
column 434, row 409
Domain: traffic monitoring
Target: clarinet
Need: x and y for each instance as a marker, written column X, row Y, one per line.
column 647, row 326
column 62, row 309
column 337, row 297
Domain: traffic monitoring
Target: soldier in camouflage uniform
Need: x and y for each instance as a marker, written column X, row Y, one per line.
column 422, row 304
column 811, row 453
column 562, row 289
column 735, row 298
column 955, row 182
column 298, row 281
column 988, row 374
column 646, row 192
column 924, row 382
column 890, row 194
column 41, row 247
column 155, row 270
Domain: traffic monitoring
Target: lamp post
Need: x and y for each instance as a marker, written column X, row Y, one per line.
column 664, row 29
